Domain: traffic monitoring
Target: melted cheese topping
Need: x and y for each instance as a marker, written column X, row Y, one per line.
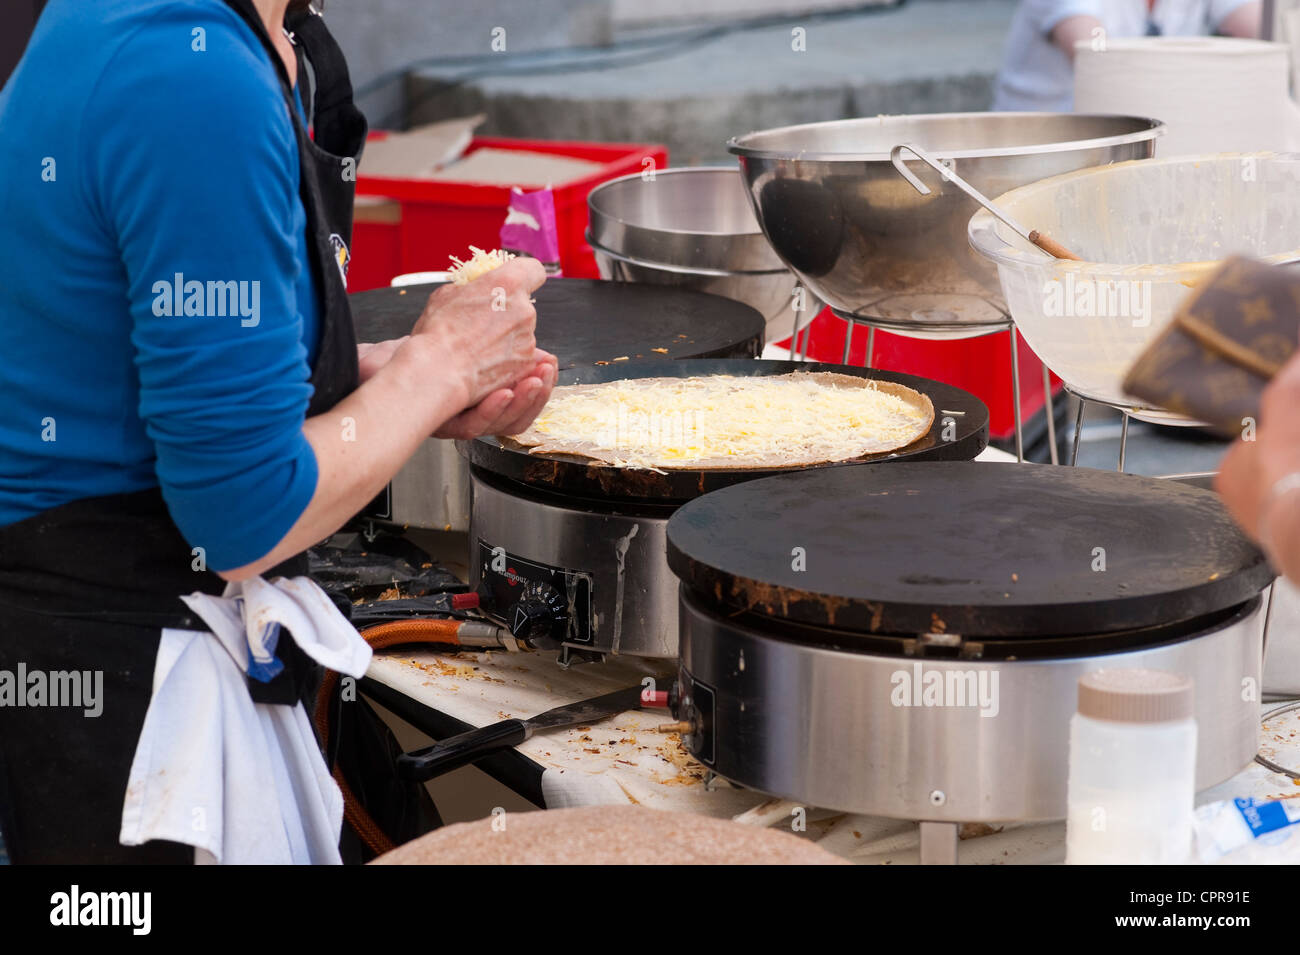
column 725, row 421
column 479, row 263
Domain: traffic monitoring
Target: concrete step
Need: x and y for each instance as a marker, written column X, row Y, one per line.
column 926, row 56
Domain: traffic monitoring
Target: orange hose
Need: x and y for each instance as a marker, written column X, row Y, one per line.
column 380, row 637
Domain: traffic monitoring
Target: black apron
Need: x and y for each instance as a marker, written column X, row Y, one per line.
column 90, row 585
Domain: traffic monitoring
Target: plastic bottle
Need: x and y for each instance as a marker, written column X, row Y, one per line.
column 1132, row 782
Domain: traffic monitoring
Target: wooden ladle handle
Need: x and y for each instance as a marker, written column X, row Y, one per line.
column 1051, row 246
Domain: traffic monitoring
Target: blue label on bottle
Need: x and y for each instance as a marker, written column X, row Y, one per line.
column 1262, row 817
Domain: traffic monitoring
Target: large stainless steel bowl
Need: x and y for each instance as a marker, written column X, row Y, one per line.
column 868, row 244
column 694, row 228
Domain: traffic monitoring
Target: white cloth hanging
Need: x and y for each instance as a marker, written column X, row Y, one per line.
column 242, row 782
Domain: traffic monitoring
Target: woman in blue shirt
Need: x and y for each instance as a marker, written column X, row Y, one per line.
column 184, row 402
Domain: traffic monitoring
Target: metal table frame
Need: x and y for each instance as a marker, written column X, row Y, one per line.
column 979, row 331
column 1126, row 411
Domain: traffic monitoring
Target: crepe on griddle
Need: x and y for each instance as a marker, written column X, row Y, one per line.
column 729, row 421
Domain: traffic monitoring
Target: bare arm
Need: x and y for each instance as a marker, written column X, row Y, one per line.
column 1246, row 21
column 1254, row 477
column 462, row 354
column 1073, row 29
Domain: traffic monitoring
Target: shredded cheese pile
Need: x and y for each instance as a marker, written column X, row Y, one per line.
column 726, row 421
column 479, row 263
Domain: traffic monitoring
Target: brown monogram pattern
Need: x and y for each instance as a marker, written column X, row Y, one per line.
column 1223, row 346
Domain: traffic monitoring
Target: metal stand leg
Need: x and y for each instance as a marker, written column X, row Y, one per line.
column 1051, row 414
column 1123, row 441
column 1268, row 614
column 1078, row 432
column 871, row 345
column 938, row 843
column 848, row 341
column 1015, row 394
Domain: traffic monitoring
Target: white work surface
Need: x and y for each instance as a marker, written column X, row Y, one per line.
column 621, row 760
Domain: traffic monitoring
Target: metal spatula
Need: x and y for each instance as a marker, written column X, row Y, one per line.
column 449, row 754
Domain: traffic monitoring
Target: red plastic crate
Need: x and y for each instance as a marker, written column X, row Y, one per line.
column 440, row 219
column 981, row 366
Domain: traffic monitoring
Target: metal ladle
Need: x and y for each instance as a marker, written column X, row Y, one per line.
column 1047, row 244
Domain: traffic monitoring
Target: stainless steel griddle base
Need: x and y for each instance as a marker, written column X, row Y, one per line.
column 822, row 726
column 619, row 548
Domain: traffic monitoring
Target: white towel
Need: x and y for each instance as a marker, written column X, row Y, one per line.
column 242, row 782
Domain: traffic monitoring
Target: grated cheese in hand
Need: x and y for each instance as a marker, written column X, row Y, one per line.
column 479, row 263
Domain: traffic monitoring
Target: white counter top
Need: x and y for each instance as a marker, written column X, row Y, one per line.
column 624, row 760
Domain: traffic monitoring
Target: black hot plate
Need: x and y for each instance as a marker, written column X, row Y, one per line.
column 583, row 321
column 959, row 432
column 966, row 548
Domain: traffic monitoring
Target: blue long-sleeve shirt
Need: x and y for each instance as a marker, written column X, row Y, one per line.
column 145, row 147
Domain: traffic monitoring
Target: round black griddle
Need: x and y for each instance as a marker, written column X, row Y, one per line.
column 976, row 549
column 959, row 432
column 583, row 321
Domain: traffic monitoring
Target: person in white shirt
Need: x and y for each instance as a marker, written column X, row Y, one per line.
column 1038, row 64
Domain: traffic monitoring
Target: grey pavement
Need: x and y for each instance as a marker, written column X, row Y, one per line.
column 926, row 56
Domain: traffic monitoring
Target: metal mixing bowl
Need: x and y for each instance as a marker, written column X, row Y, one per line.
column 694, row 228
column 862, row 239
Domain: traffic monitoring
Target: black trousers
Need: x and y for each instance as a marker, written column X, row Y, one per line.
column 63, row 774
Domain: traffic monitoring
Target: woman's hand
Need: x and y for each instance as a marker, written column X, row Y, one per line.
column 482, row 332
column 1251, row 471
column 506, row 410
column 470, row 366
column 373, row 356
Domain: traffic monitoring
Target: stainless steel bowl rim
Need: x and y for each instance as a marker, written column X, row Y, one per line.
column 1154, row 128
column 682, row 269
column 982, row 234
column 609, row 184
column 1135, row 408
column 958, row 330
